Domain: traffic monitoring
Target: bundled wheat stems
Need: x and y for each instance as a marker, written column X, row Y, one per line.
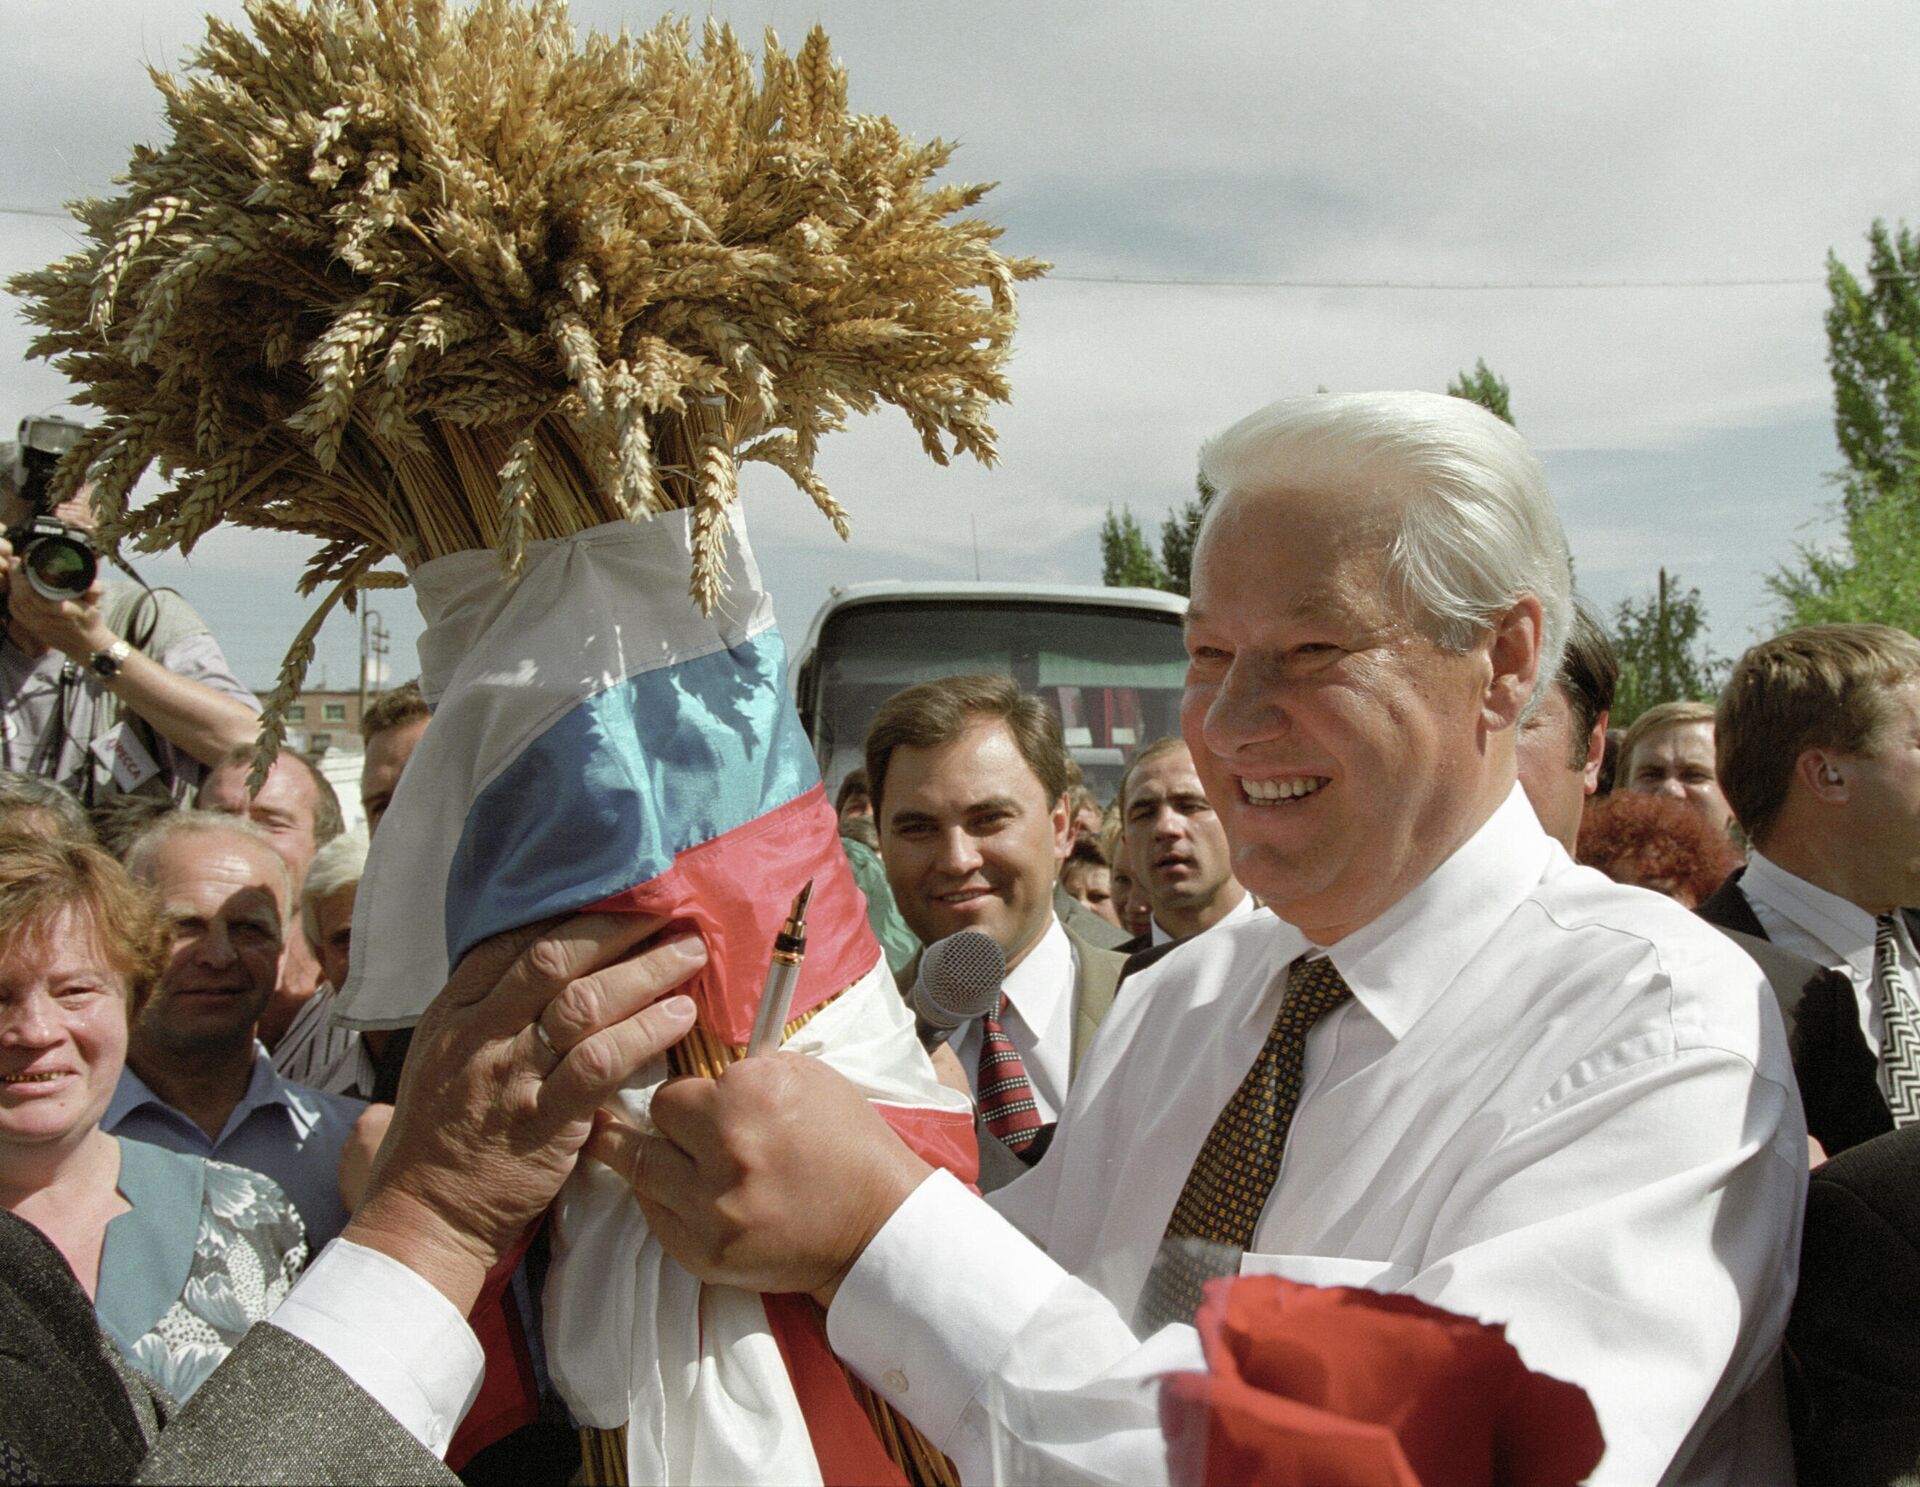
column 415, row 279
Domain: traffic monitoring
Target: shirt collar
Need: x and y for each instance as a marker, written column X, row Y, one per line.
column 1400, row 963
column 1243, row 908
column 1040, row 988
column 264, row 1087
column 1844, row 928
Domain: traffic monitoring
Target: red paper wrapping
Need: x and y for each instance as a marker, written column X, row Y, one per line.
column 1336, row 1387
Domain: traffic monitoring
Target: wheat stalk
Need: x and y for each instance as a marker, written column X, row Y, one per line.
column 410, row 279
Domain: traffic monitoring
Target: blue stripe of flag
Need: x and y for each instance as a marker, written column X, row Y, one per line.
column 606, row 797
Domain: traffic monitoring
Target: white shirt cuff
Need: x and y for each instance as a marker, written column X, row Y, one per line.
column 936, row 1301
column 390, row 1332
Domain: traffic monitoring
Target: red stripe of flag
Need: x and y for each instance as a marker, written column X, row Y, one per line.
column 736, row 890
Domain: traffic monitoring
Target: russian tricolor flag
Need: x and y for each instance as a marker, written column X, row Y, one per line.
column 597, row 741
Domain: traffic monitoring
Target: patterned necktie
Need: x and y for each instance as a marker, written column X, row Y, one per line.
column 1900, row 1028
column 1005, row 1093
column 1240, row 1159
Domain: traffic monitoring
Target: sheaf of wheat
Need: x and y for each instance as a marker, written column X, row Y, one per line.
column 414, row 278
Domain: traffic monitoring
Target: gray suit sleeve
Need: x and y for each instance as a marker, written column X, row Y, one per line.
column 279, row 1411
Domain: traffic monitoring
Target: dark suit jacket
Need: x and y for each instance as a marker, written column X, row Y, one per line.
column 1836, row 1070
column 1853, row 1346
column 72, row 1410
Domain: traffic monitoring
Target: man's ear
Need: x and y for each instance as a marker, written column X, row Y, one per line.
column 1062, row 823
column 1596, row 752
column 1514, row 653
column 1824, row 775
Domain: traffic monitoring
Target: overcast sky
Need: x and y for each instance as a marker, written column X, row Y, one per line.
column 1274, row 152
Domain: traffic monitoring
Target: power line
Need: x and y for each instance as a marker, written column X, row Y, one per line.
column 1413, row 286
column 1419, row 285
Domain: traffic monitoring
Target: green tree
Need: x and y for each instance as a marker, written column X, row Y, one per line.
column 1125, row 559
column 1178, row 533
column 1662, row 645
column 1483, row 387
column 1874, row 579
column 1873, row 354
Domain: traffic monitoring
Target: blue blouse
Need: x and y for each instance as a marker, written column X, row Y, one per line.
column 205, row 1251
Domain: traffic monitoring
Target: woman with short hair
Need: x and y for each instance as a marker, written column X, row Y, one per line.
column 179, row 1254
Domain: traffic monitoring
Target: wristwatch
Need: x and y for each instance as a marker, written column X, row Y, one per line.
column 106, row 664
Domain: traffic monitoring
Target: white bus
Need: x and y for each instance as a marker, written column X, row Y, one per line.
column 1110, row 661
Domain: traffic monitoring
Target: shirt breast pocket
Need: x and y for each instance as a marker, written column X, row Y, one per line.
column 1329, row 1270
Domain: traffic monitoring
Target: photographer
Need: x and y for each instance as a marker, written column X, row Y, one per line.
column 115, row 688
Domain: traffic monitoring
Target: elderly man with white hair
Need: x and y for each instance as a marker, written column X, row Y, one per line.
column 1449, row 1063
column 314, row 1051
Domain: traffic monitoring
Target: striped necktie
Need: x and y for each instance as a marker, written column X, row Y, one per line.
column 1005, row 1093
column 1240, row 1159
column 1900, row 1027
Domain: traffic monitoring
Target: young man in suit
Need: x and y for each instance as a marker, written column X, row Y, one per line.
column 1818, row 738
column 970, row 787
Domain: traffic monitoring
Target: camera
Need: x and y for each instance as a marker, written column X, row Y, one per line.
column 59, row 560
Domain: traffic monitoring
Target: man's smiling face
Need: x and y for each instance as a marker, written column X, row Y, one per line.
column 971, row 841
column 1346, row 752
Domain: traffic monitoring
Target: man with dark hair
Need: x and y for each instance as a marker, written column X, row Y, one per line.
column 969, row 779
column 1177, row 847
column 1562, row 743
column 393, row 724
column 1818, row 735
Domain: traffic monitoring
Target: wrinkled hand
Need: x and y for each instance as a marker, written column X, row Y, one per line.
column 772, row 1177
column 489, row 1122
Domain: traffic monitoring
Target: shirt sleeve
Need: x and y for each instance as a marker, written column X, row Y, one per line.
column 392, row 1333
column 1011, row 1366
column 198, row 658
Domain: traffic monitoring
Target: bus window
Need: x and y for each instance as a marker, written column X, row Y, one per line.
column 1112, row 673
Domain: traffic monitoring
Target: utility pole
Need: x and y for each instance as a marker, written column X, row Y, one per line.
column 1663, row 642
column 374, row 640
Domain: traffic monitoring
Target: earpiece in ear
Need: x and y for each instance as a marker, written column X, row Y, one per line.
column 1829, row 775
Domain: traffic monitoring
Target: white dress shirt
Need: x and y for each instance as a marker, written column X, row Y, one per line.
column 1552, row 1102
column 1826, row 928
column 1039, row 1020
column 392, row 1333
column 1246, row 908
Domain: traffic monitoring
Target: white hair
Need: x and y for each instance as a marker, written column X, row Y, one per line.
column 195, row 822
column 1477, row 527
column 337, row 865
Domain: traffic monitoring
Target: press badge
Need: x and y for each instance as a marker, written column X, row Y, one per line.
column 126, row 756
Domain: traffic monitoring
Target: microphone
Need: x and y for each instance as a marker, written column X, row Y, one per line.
column 959, row 980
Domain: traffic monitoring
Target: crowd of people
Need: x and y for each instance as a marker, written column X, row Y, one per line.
column 1325, row 991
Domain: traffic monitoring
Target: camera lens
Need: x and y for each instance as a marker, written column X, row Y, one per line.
column 60, row 567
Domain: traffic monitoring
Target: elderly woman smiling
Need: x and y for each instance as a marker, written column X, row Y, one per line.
column 180, row 1255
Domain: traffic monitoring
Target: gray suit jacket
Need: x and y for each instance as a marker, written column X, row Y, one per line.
column 72, row 1410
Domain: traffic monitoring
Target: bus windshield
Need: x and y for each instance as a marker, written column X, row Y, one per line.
column 1113, row 674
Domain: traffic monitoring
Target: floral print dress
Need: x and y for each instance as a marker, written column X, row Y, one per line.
column 206, row 1251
